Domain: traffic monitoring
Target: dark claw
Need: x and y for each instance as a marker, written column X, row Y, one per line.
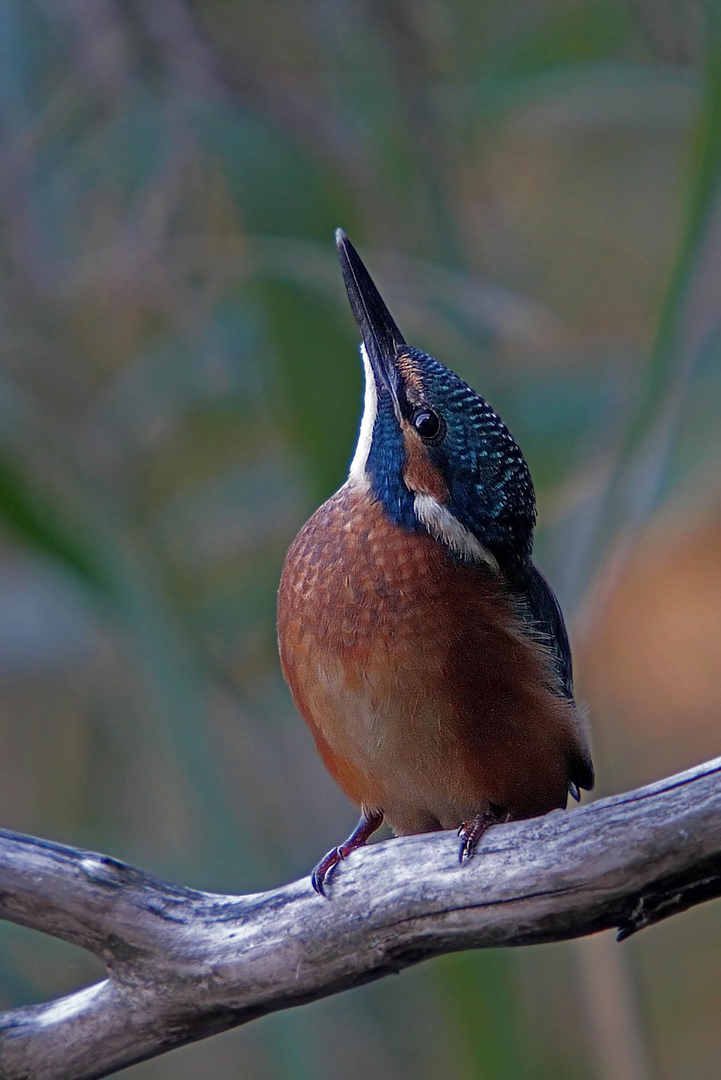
column 468, row 847
column 369, row 822
column 472, row 831
column 573, row 791
column 324, row 869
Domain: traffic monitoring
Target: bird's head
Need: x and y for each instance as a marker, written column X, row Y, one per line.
column 430, row 449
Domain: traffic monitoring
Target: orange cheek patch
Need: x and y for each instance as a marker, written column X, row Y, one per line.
column 410, row 372
column 419, row 474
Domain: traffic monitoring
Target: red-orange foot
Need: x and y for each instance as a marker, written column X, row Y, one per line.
column 369, row 822
column 471, row 832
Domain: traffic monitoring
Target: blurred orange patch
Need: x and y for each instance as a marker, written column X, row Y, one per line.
column 650, row 665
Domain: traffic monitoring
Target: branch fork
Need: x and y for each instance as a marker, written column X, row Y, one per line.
column 184, row 964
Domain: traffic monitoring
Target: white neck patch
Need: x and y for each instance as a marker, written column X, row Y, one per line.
column 358, row 473
column 446, row 528
column 435, row 517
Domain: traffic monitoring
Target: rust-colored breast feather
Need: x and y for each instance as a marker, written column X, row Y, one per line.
column 425, row 697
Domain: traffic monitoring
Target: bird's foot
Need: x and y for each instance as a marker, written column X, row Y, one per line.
column 369, row 822
column 322, row 871
column 471, row 831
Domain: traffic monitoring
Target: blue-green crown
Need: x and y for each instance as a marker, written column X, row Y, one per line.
column 490, row 490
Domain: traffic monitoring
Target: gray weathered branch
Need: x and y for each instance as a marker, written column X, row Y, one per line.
column 184, row 964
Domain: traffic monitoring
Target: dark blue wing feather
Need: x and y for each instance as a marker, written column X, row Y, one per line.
column 546, row 615
column 547, row 621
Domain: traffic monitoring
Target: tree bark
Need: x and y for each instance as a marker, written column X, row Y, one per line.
column 184, row 964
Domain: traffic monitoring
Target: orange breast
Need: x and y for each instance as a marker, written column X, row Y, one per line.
column 425, row 697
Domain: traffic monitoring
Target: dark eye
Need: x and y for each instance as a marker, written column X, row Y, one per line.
column 426, row 423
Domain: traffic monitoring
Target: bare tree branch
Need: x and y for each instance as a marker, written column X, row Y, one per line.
column 184, row 964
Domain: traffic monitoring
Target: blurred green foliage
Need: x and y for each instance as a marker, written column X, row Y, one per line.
column 535, row 187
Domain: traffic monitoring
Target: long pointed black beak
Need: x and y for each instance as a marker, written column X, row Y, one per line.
column 381, row 337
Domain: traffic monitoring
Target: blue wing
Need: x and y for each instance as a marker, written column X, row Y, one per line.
column 546, row 614
column 547, row 618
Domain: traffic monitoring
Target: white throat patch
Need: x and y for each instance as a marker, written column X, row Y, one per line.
column 435, row 517
column 358, row 474
column 446, row 528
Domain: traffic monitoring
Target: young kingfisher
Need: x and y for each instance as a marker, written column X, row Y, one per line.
column 425, row 651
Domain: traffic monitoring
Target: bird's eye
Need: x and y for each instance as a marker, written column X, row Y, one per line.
column 426, row 423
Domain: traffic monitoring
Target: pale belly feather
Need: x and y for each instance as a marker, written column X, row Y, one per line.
column 425, row 699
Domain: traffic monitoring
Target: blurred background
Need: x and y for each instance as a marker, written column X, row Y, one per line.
column 535, row 187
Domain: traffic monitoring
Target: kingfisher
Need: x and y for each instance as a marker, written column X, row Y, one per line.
column 427, row 654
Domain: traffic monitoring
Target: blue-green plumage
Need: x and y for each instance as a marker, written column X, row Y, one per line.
column 489, row 486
